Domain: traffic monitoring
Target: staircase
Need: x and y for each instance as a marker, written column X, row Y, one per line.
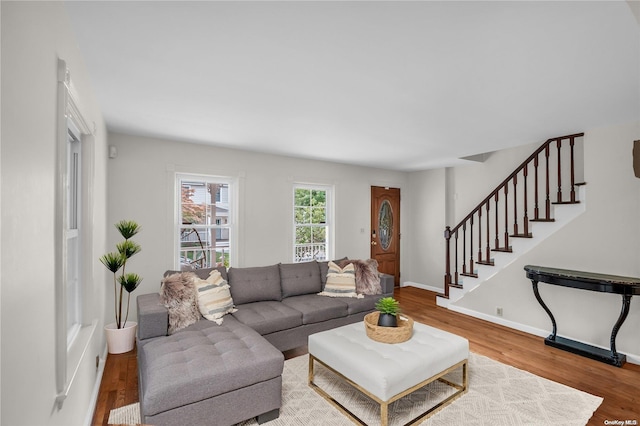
column 542, row 192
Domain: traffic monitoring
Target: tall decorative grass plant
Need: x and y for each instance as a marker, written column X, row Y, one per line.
column 117, row 262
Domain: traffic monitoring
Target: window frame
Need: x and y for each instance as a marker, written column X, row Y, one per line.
column 72, row 343
column 329, row 223
column 231, row 226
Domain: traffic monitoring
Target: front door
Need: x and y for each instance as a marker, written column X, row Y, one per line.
column 385, row 230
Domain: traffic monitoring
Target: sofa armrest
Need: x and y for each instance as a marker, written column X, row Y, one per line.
column 387, row 283
column 153, row 317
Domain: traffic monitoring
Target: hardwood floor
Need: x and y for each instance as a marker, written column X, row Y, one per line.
column 620, row 387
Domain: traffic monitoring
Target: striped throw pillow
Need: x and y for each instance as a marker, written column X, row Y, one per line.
column 341, row 282
column 214, row 298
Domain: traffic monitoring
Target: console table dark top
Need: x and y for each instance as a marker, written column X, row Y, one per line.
column 584, row 280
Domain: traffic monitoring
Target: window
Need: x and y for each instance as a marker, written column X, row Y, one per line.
column 312, row 222
column 205, row 225
column 72, row 233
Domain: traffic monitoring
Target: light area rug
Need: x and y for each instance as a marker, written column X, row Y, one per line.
column 498, row 395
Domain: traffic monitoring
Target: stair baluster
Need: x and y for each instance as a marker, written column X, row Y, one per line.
column 547, row 199
column 525, row 172
column 488, row 249
column 515, row 205
column 573, row 180
column 497, row 241
column 464, row 249
column 480, row 236
column 506, row 218
column 559, row 145
column 536, row 210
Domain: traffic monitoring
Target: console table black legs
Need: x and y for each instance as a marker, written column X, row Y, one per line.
column 625, row 286
column 626, row 303
column 546, row 308
column 610, row 357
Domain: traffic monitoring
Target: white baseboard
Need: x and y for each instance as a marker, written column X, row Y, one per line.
column 96, row 389
column 631, row 358
column 438, row 290
column 501, row 321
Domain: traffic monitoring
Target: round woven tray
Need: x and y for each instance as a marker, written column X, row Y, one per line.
column 398, row 334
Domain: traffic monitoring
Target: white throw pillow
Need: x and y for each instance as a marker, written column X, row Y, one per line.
column 214, row 298
column 341, row 282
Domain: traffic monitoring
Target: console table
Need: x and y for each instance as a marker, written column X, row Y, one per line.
column 625, row 286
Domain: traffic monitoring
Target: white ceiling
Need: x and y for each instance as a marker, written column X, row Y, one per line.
column 400, row 85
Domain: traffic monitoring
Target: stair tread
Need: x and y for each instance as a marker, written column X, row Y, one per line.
column 469, row 274
column 456, row 285
column 566, row 202
column 503, row 249
column 485, row 262
column 529, row 235
column 543, row 220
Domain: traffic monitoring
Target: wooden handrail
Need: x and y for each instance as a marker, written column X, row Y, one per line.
column 495, row 194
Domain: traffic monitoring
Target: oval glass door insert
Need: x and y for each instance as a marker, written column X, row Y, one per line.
column 385, row 224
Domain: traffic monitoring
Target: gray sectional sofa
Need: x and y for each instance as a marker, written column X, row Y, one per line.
column 224, row 374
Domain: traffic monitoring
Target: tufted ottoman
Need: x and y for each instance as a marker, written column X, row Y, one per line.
column 387, row 372
column 209, row 374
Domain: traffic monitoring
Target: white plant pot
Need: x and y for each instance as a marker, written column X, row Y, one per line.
column 121, row 340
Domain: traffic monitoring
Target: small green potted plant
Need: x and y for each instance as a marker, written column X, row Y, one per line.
column 389, row 309
column 121, row 334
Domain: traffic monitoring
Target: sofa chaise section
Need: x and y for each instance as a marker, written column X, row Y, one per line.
column 203, row 369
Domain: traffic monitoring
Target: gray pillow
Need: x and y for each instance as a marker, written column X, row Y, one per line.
column 300, row 278
column 255, row 284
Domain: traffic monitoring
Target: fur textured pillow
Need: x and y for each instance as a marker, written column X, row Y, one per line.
column 367, row 276
column 179, row 295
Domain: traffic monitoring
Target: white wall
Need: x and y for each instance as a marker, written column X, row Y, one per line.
column 141, row 183
column 605, row 239
column 473, row 182
column 424, row 233
column 34, row 36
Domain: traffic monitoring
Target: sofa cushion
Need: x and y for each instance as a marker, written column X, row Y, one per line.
column 202, row 361
column 365, row 304
column 268, row 317
column 316, row 308
column 255, row 284
column 300, row 278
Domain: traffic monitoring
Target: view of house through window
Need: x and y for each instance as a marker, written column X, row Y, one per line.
column 205, row 222
column 312, row 223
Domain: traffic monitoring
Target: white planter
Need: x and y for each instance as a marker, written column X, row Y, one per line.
column 121, row 340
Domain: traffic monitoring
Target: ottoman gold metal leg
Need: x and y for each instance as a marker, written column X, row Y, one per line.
column 384, row 405
column 384, row 414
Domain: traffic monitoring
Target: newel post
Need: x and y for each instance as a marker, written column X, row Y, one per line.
column 447, row 273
